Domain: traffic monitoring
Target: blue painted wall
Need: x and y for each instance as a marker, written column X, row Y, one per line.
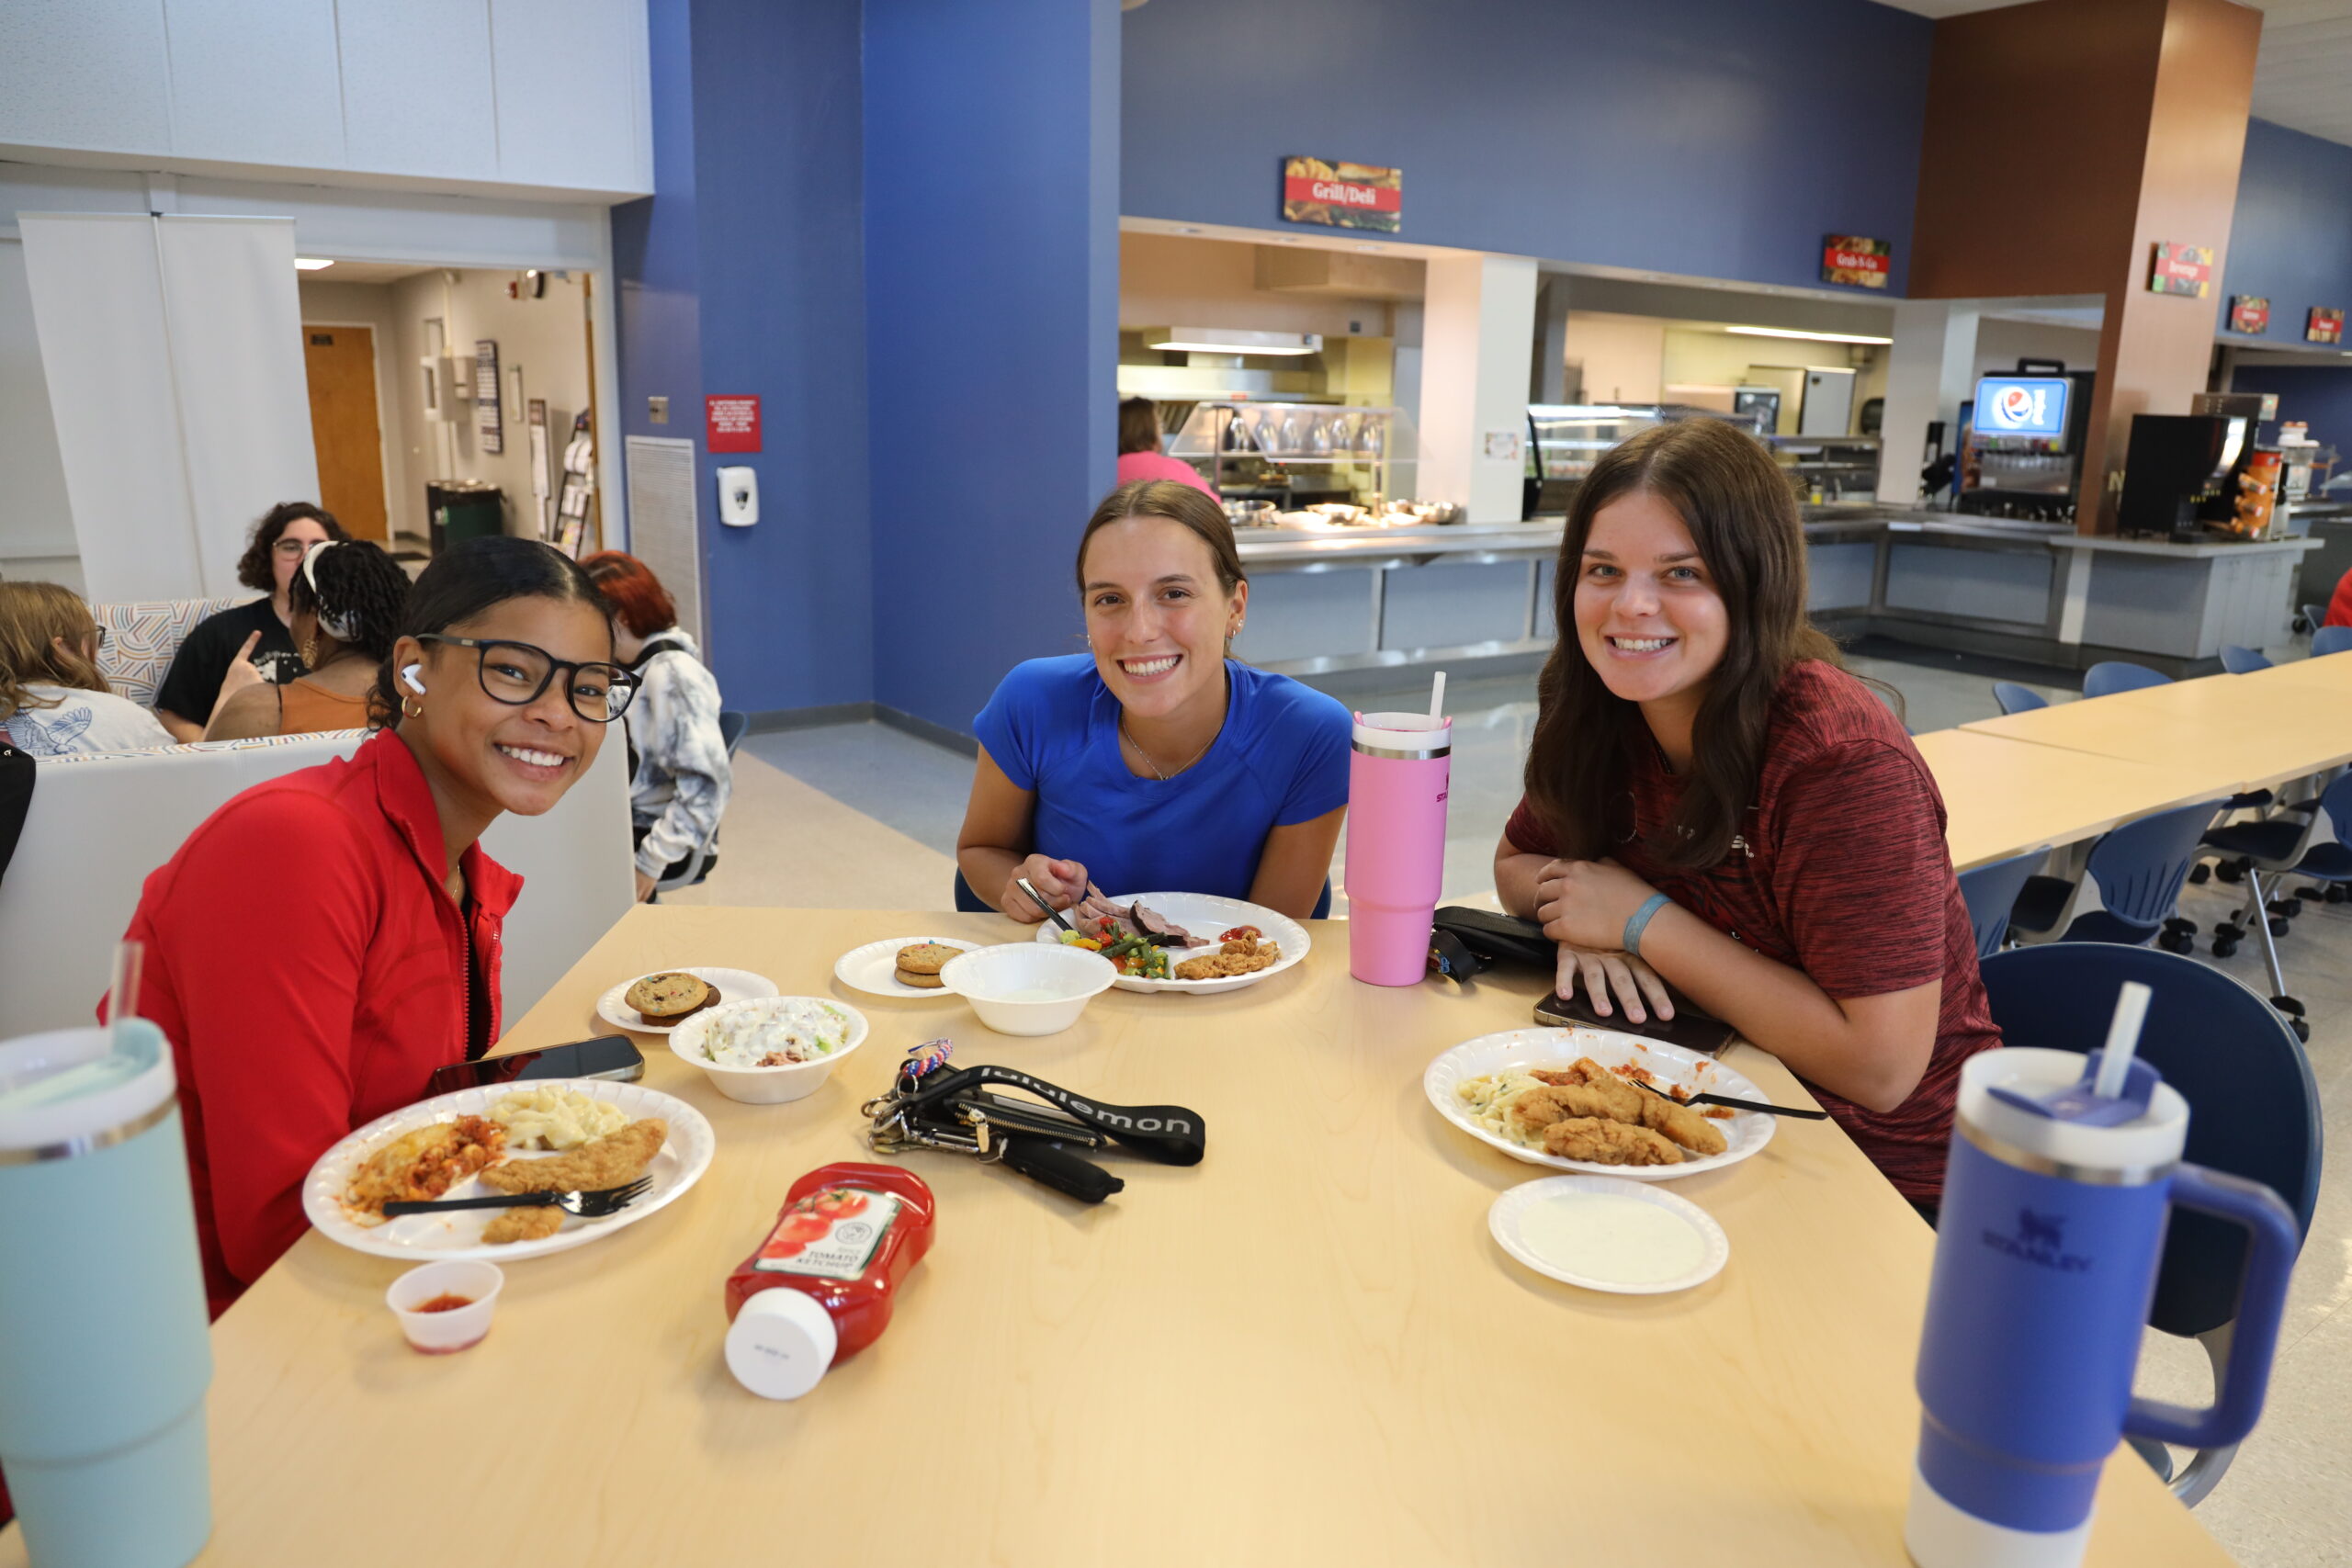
column 2291, row 239
column 1712, row 137
column 991, row 276
column 744, row 273
column 2320, row 395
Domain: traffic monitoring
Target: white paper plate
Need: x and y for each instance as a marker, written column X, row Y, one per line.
column 874, row 968
column 1204, row 915
column 1744, row 1133
column 734, row 986
column 430, row 1238
column 1505, row 1220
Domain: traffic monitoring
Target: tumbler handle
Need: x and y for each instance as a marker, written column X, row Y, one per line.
column 2244, row 1377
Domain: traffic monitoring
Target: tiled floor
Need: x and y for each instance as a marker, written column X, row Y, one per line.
column 864, row 815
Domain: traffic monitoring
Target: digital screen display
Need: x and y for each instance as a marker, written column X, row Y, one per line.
column 2022, row 405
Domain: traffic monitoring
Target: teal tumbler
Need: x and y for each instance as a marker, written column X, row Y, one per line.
column 104, row 1351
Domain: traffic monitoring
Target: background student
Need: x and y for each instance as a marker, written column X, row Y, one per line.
column 251, row 642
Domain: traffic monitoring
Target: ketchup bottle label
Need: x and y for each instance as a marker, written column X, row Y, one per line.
column 831, row 1233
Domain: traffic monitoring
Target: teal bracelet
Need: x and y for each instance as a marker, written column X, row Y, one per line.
column 1640, row 921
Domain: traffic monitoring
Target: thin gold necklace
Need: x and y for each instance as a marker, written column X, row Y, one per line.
column 1148, row 760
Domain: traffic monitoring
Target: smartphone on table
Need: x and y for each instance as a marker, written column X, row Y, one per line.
column 1689, row 1028
column 608, row 1056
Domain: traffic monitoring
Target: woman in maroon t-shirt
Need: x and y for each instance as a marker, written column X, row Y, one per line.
column 1712, row 801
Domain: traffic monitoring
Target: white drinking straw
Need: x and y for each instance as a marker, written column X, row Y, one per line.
column 1437, row 697
column 122, row 990
column 2123, row 1039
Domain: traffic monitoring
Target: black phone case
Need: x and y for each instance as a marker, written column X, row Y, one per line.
column 1689, row 1028
column 516, row 1066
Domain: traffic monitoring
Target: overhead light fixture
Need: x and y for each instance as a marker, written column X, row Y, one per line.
column 1230, row 340
column 1810, row 338
column 310, row 264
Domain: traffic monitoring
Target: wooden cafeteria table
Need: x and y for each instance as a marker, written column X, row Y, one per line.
column 2005, row 797
column 1305, row 1350
column 2211, row 737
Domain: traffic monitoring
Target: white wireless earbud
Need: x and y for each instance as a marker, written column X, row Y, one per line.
column 408, row 674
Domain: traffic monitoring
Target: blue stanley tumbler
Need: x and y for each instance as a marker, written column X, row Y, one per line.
column 2052, row 1224
column 103, row 1353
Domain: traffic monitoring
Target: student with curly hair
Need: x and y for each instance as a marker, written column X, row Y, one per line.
column 347, row 600
column 253, row 642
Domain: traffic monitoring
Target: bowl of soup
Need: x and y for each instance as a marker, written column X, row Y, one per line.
column 1028, row 988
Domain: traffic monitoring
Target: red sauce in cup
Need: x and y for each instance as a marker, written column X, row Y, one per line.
column 446, row 1302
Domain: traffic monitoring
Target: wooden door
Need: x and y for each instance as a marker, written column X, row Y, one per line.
column 341, row 362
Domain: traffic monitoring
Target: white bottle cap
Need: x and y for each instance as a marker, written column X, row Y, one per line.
column 780, row 1344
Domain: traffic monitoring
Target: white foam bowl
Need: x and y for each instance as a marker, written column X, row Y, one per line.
column 1027, row 988
column 763, row 1086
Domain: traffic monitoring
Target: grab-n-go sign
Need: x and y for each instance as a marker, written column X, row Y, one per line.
column 2022, row 405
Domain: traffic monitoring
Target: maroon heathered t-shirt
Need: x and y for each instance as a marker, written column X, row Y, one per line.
column 1841, row 872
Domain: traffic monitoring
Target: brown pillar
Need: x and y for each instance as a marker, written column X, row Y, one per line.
column 2064, row 140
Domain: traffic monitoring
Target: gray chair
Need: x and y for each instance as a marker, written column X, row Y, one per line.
column 2254, row 1113
column 731, row 726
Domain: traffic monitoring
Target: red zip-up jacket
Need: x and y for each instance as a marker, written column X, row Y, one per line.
column 309, row 970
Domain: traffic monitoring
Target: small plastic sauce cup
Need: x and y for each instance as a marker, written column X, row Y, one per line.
column 441, row 1333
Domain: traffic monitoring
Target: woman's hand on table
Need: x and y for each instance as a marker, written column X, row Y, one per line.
column 1063, row 882
column 1604, row 971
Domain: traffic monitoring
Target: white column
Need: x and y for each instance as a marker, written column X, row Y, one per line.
column 1930, row 372
column 1478, row 333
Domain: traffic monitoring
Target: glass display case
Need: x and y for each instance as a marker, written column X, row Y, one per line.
column 1825, row 470
column 1271, row 458
column 1564, row 440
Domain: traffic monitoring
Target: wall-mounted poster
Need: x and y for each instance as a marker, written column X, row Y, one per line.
column 2181, row 269
column 489, row 429
column 2323, row 326
column 1345, row 195
column 2250, row 314
column 1852, row 259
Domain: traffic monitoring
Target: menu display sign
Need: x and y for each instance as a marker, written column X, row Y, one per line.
column 1345, row 195
column 2022, row 405
column 732, row 424
column 2324, row 326
column 1850, row 258
column 490, row 427
column 2250, row 314
column 2181, row 269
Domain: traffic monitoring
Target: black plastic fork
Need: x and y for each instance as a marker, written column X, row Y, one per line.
column 587, row 1205
column 1733, row 1100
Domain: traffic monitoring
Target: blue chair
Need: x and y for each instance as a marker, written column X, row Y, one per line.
column 2331, row 640
column 2242, row 661
column 1989, row 891
column 2015, row 698
column 2254, row 1113
column 2279, row 846
column 2112, row 675
column 731, row 726
column 2137, row 870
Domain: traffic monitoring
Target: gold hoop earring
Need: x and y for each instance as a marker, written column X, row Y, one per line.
column 412, row 709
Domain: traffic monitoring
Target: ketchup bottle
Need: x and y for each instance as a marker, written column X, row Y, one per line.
column 819, row 1288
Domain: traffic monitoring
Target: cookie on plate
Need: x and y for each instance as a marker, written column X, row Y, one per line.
column 666, row 998
column 920, row 964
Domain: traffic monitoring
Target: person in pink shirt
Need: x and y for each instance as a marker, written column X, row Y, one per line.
column 1139, row 453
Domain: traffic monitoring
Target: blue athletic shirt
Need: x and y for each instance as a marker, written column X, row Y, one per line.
column 1281, row 759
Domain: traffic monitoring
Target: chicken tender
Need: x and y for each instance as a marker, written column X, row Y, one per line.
column 523, row 1225
column 1243, row 956
column 1608, row 1143
column 609, row 1161
column 1682, row 1123
column 1534, row 1109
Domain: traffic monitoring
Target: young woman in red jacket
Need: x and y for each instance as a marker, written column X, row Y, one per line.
column 1712, row 802
column 325, row 941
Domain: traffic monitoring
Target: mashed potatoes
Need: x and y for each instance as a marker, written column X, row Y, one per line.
column 555, row 1117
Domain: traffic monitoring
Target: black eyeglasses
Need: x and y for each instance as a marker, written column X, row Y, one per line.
column 515, row 673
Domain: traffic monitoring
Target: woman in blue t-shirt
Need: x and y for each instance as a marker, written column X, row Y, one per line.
column 1155, row 762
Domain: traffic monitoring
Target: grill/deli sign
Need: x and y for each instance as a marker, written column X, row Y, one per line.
column 2249, row 313
column 2181, row 269
column 1852, row 259
column 1345, row 195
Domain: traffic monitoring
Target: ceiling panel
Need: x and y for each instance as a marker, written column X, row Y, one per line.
column 2304, row 79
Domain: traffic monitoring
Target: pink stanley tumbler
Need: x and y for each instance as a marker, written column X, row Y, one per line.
column 1395, row 867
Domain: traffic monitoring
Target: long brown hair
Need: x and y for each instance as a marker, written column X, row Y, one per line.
column 30, row 614
column 1742, row 515
column 1179, row 502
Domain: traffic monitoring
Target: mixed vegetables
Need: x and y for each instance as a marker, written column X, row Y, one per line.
column 1135, row 955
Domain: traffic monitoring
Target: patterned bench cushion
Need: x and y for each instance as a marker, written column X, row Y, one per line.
column 142, row 637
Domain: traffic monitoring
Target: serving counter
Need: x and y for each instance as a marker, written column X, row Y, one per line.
column 1325, row 601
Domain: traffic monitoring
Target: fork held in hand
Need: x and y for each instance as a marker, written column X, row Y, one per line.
column 587, row 1205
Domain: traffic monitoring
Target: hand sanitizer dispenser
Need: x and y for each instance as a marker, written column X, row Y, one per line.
column 739, row 497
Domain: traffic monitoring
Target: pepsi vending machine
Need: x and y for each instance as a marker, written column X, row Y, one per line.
column 2023, row 452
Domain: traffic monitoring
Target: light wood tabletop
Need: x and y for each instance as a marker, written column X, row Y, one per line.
column 2216, row 735
column 2005, row 797
column 1307, row 1349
